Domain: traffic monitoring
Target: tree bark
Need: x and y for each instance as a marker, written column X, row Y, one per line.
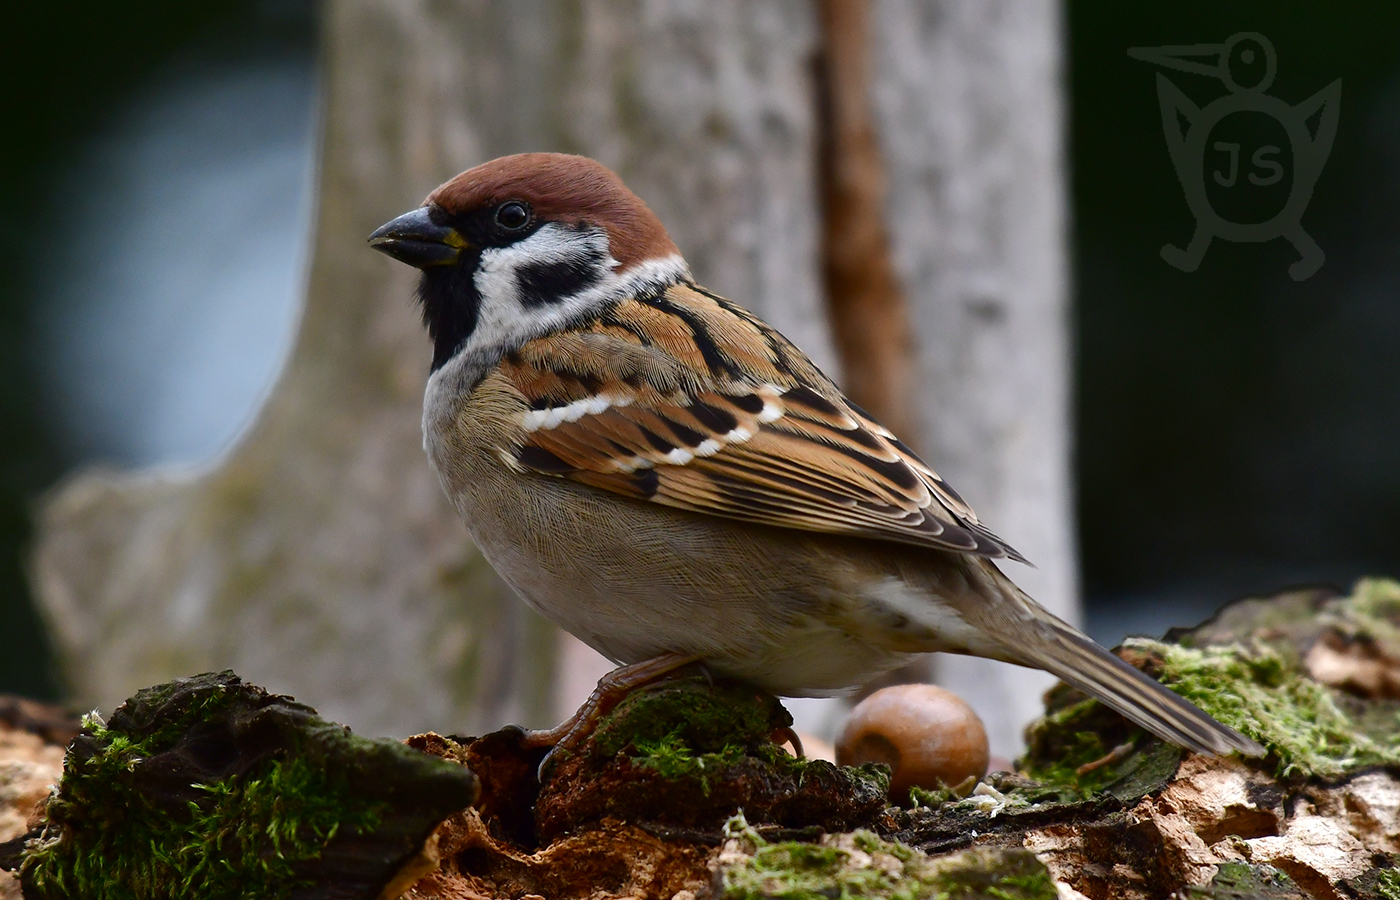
column 970, row 116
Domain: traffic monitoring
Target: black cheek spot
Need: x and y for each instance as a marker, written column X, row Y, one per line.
column 547, row 283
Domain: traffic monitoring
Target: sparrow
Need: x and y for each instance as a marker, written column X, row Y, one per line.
column 665, row 476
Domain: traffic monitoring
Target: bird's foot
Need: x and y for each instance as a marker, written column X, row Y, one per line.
column 787, row 735
column 569, row 735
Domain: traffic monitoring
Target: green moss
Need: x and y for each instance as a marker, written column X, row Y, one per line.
column 1296, row 718
column 861, row 865
column 704, row 718
column 926, row 799
column 1245, row 668
column 673, row 759
column 1388, row 884
column 694, row 729
column 117, row 844
column 209, row 788
column 1121, row 759
column 1376, row 599
column 1242, row 881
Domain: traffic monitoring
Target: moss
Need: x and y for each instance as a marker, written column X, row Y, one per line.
column 1242, row 881
column 1379, row 883
column 1388, row 884
column 210, row 788
column 1257, row 692
column 1244, row 667
column 1308, row 732
column 1377, row 600
column 670, row 757
column 689, row 753
column 1081, row 749
column 695, row 729
column 861, row 865
column 705, row 718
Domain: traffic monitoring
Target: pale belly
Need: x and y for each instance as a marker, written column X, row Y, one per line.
column 750, row 609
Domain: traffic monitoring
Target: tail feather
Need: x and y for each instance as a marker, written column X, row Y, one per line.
column 1057, row 647
column 1080, row 662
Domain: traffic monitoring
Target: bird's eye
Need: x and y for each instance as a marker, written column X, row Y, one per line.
column 513, row 215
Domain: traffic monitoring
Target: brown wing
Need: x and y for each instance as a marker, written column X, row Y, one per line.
column 687, row 400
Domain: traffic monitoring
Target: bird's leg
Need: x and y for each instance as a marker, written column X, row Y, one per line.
column 788, row 735
column 611, row 690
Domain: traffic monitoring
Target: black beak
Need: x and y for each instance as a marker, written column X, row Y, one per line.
column 416, row 239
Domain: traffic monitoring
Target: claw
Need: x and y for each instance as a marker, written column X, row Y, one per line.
column 612, row 688
column 788, row 735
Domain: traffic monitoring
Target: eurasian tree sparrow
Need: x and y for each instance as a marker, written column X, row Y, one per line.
column 668, row 478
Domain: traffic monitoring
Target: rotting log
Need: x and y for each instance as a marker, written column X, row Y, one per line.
column 682, row 792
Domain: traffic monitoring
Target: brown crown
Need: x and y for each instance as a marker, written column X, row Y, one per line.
column 563, row 188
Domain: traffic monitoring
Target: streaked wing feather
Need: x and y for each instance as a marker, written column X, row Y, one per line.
column 769, row 441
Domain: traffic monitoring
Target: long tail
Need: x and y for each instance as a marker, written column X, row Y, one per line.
column 1057, row 647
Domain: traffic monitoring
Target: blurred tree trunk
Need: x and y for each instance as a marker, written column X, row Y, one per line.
column 319, row 558
column 970, row 112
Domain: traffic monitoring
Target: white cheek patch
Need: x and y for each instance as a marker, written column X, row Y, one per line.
column 498, row 275
column 506, row 319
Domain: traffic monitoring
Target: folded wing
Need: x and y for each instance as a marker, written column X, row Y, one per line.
column 688, row 401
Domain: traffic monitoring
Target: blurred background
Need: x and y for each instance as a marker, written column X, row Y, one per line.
column 1228, row 431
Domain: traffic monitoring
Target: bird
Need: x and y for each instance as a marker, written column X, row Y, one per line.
column 665, row 476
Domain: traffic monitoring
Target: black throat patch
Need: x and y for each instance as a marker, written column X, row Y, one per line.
column 450, row 306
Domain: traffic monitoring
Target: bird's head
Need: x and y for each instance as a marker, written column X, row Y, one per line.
column 522, row 245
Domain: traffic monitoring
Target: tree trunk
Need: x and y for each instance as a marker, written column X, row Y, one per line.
column 968, row 102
